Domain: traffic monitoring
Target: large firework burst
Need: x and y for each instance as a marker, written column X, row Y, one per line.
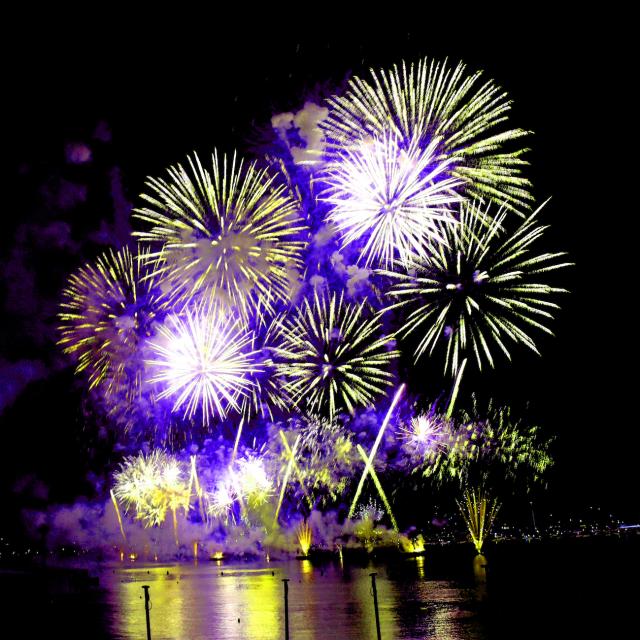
column 332, row 357
column 432, row 101
column 483, row 289
column 108, row 309
column 390, row 199
column 203, row 360
column 232, row 232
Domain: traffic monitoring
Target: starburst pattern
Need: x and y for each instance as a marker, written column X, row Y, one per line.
column 484, row 289
column 332, row 357
column 432, row 101
column 153, row 484
column 203, row 360
column 388, row 199
column 232, row 232
column 108, row 310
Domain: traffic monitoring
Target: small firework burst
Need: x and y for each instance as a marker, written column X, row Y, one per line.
column 220, row 501
column 390, row 199
column 482, row 290
column 108, row 310
column 252, row 480
column 232, row 232
column 427, row 433
column 202, row 358
column 153, row 484
column 431, row 102
column 478, row 511
column 332, row 357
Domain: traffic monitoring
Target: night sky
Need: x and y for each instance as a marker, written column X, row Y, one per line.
column 142, row 102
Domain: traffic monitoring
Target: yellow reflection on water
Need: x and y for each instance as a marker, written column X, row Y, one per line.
column 420, row 565
column 167, row 597
column 306, row 569
column 480, row 568
column 254, row 597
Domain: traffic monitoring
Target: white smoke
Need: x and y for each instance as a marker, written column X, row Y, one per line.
column 306, row 123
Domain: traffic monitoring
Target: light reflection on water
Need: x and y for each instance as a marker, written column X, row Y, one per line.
column 207, row 600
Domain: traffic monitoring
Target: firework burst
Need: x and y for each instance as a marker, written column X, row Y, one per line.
column 490, row 447
column 432, row 102
column 427, row 434
column 390, row 199
column 107, row 311
column 153, row 484
column 331, row 357
column 480, row 291
column 232, row 232
column 203, row 360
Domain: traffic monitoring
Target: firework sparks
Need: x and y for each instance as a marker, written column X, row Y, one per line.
column 108, row 310
column 489, row 446
column 232, row 232
column 435, row 104
column 252, row 480
column 478, row 511
column 426, row 433
column 203, row 361
column 479, row 291
column 390, row 199
column 331, row 357
column 304, row 535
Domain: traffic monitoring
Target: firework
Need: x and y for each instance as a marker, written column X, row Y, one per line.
column 478, row 511
column 332, row 357
column 252, row 480
column 108, row 310
column 321, row 457
column 153, row 484
column 426, row 434
column 489, row 446
column 374, row 450
column 304, row 535
column 483, row 289
column 221, row 500
column 390, row 199
column 232, row 232
column 202, row 359
column 434, row 104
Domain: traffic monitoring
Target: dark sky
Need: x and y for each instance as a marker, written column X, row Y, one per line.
column 164, row 96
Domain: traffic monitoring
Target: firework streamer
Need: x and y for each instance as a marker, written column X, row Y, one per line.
column 119, row 516
column 285, row 479
column 374, row 449
column 378, row 484
column 478, row 511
